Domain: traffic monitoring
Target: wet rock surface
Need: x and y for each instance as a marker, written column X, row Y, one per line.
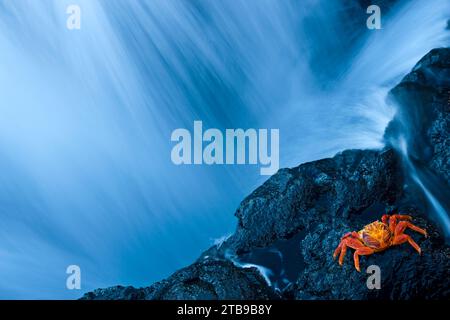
column 313, row 193
column 422, row 120
column 315, row 203
column 208, row 280
column 404, row 273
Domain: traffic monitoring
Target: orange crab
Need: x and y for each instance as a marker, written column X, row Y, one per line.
column 378, row 236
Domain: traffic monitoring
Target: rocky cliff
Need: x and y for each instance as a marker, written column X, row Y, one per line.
column 294, row 221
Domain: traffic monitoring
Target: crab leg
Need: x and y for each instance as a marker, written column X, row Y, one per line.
column 402, row 238
column 348, row 234
column 402, row 217
column 402, row 225
column 338, row 250
column 343, row 252
column 416, row 228
column 386, row 217
column 376, row 237
column 349, row 241
column 363, row 251
column 394, row 220
column 342, row 244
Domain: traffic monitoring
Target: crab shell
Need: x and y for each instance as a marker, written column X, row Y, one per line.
column 376, row 236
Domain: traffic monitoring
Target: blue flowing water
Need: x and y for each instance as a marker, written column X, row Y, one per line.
column 86, row 117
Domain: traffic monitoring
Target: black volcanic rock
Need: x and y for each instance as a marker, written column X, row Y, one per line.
column 200, row 281
column 404, row 273
column 316, row 192
column 315, row 203
column 422, row 120
column 118, row 293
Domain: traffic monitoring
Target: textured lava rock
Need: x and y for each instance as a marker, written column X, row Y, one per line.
column 118, row 293
column 404, row 273
column 206, row 280
column 422, row 120
column 315, row 192
column 322, row 200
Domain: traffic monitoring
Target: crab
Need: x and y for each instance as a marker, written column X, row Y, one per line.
column 378, row 236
